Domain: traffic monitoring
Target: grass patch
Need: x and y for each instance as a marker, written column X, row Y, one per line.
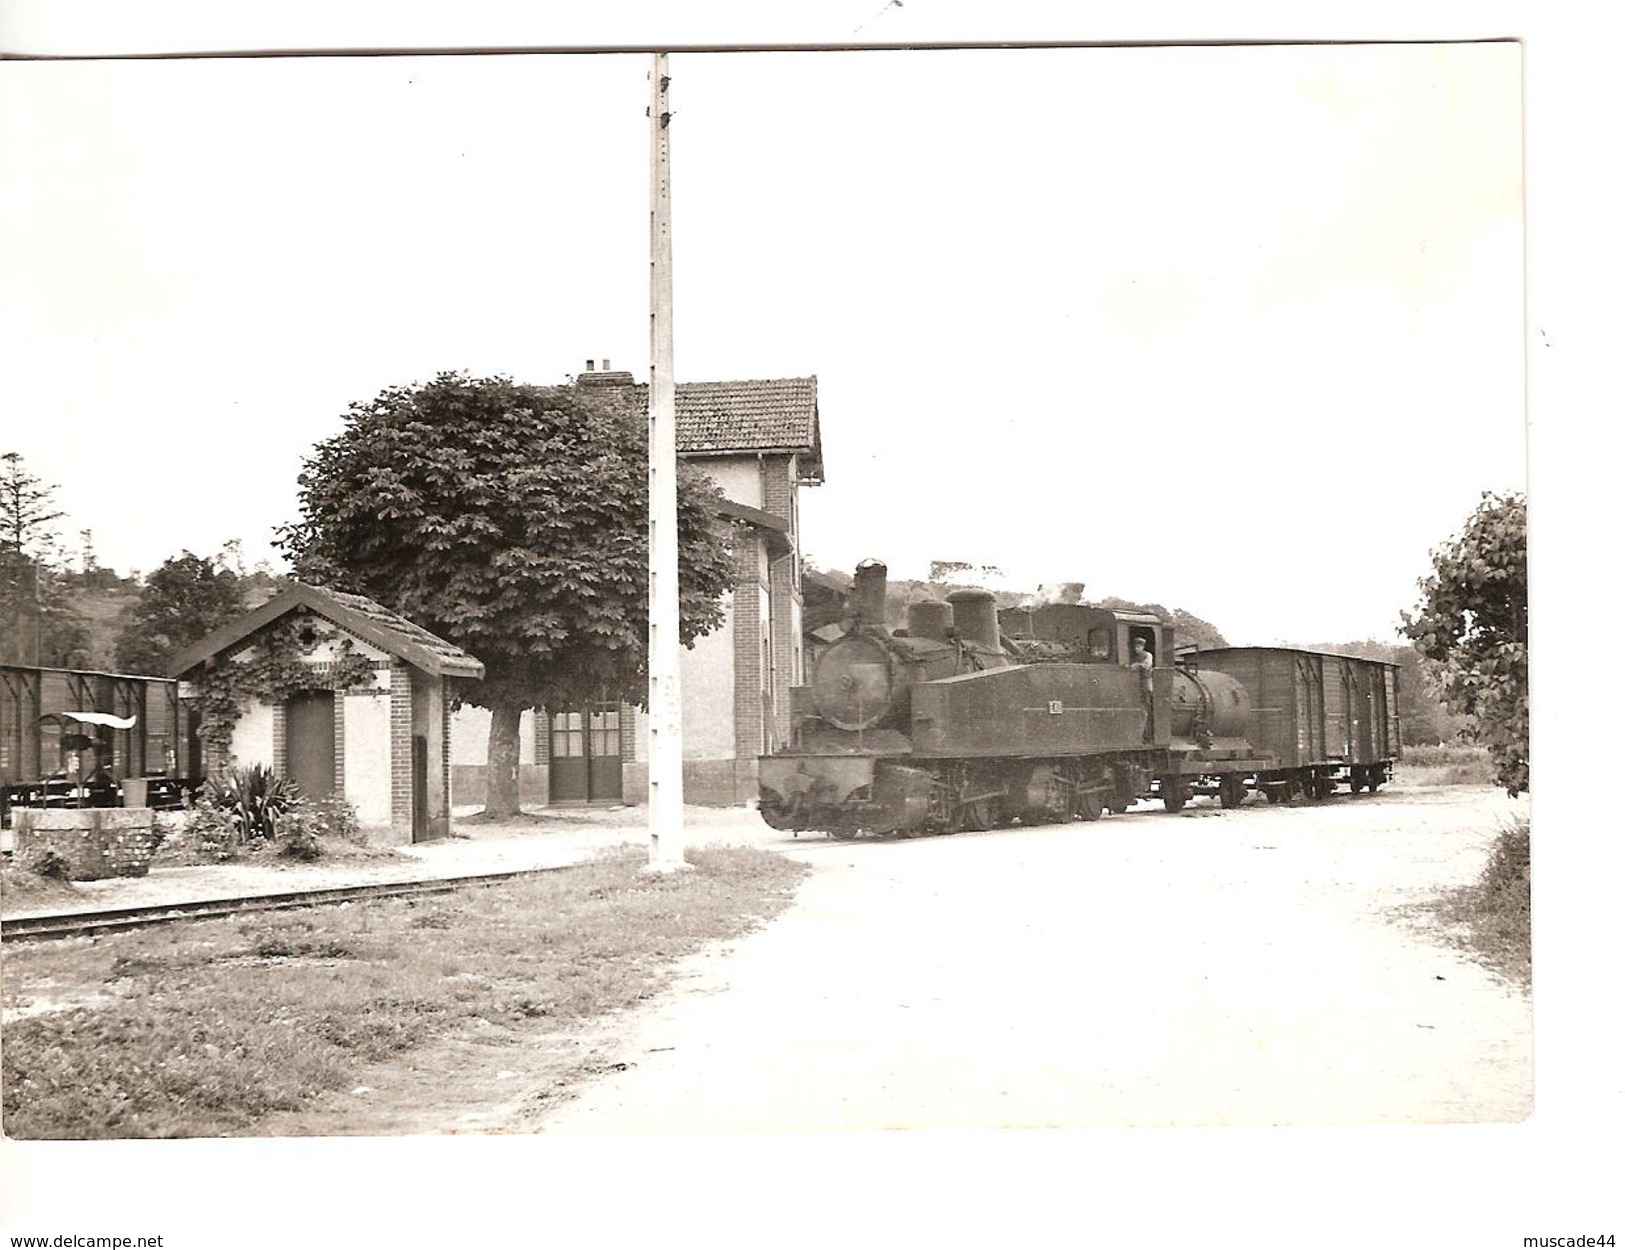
column 1447, row 766
column 213, row 1025
column 1493, row 912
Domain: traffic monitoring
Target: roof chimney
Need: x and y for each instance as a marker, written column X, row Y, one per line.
column 604, row 377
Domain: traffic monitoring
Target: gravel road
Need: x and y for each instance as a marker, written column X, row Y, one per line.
column 1252, row 967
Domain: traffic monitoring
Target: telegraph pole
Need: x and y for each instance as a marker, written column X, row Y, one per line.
column 665, row 649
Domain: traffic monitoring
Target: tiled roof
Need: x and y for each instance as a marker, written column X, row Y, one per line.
column 452, row 657
column 728, row 418
column 363, row 617
column 747, row 416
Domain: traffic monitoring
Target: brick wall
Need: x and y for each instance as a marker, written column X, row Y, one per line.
column 93, row 843
column 400, row 746
column 279, row 738
column 629, row 733
column 338, row 743
column 784, row 593
column 749, row 678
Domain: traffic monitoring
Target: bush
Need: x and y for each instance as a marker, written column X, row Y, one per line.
column 1505, row 883
column 1445, row 753
column 256, row 796
column 208, row 834
column 309, row 823
column 43, row 862
column 211, row 832
column 1495, row 908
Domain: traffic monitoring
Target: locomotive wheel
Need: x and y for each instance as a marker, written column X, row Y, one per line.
column 1173, row 793
column 1232, row 790
column 1117, row 806
column 1089, row 809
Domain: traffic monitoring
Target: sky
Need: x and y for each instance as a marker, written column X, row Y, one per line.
column 1233, row 329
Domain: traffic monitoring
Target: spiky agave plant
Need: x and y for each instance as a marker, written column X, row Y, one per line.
column 257, row 797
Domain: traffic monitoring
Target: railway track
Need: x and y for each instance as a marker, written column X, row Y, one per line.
column 114, row 919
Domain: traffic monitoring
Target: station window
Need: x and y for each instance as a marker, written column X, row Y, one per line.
column 568, row 736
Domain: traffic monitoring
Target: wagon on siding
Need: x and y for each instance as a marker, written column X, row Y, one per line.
column 1325, row 718
column 74, row 738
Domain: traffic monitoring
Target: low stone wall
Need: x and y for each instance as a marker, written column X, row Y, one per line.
column 94, row 842
column 706, row 783
column 468, row 784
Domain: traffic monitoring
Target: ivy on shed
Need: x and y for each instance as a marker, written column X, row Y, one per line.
column 276, row 666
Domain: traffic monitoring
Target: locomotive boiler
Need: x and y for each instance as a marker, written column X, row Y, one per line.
column 970, row 717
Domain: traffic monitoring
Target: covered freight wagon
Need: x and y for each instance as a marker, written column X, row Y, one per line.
column 1326, row 718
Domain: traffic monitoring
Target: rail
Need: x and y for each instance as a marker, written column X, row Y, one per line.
column 114, row 919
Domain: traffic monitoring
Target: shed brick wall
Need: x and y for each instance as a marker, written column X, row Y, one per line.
column 400, row 746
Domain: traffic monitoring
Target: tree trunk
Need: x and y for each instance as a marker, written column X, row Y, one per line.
column 502, row 761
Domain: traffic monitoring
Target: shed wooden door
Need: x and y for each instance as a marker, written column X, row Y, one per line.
column 310, row 742
column 420, row 788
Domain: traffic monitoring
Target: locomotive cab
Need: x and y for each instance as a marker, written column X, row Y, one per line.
column 1091, row 635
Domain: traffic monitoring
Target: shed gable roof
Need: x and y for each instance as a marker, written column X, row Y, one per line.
column 363, row 617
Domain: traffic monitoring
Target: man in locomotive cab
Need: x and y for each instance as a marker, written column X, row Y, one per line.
column 1141, row 662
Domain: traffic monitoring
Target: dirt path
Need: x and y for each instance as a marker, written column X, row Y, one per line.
column 1254, row 967
column 1216, row 968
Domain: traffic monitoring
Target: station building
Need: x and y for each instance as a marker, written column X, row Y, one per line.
column 759, row 441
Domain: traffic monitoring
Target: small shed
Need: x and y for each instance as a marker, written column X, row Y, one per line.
column 340, row 694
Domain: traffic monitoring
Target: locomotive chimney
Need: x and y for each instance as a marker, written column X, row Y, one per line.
column 929, row 618
column 976, row 619
column 869, row 593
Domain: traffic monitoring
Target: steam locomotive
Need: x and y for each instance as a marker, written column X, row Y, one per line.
column 973, row 717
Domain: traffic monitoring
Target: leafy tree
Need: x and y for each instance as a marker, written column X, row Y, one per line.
column 512, row 520
column 184, row 599
column 1472, row 626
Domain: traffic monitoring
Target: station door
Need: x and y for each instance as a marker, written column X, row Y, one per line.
column 584, row 758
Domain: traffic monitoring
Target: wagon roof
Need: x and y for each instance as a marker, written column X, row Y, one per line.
column 361, row 616
column 1341, row 655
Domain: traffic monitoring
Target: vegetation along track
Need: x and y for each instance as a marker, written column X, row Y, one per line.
column 74, row 924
